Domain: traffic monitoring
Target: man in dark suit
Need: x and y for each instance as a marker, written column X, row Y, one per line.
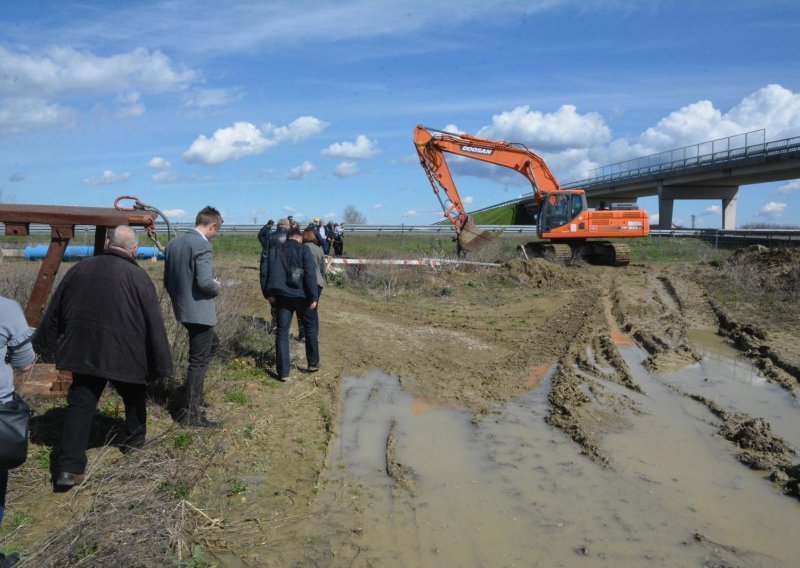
column 104, row 324
column 189, row 280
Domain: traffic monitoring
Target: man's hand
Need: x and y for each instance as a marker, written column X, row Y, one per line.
column 271, row 300
column 312, row 306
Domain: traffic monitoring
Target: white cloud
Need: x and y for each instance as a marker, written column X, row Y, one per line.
column 246, row 139
column 713, row 209
column 772, row 209
column 790, row 187
column 346, row 169
column 130, row 104
column 467, row 200
column 410, row 213
column 299, row 129
column 562, row 129
column 165, row 176
column 378, row 206
column 24, row 114
column 452, row 128
column 302, row 171
column 654, row 218
column 773, row 108
column 289, row 209
column 205, row 98
column 232, row 143
column 174, row 213
column 362, row 149
column 330, row 215
column 60, row 70
column 158, row 163
column 16, row 177
column 107, row 178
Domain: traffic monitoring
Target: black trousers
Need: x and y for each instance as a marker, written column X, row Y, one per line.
column 203, row 344
column 82, row 401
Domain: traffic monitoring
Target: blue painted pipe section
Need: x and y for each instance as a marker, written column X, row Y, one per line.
column 38, row 252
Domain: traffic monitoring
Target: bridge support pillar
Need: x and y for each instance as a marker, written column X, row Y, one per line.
column 667, row 196
column 665, row 203
column 729, row 210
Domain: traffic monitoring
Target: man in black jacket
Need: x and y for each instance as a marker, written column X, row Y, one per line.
column 104, row 324
column 289, row 282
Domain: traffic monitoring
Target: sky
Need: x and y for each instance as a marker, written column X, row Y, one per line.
column 275, row 108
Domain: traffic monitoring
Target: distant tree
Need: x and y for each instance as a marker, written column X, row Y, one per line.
column 353, row 216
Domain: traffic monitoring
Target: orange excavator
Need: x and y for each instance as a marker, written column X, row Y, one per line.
column 565, row 225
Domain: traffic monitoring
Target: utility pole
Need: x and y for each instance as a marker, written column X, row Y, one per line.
column 693, row 221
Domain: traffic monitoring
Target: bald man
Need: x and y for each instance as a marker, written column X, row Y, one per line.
column 104, row 324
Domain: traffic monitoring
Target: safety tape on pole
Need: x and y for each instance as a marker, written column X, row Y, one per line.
column 432, row 262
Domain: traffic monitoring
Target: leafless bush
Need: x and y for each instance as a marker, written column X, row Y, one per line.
column 17, row 278
column 141, row 512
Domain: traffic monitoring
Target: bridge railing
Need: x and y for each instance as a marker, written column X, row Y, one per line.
column 716, row 152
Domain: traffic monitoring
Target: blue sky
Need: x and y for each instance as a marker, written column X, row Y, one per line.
column 265, row 109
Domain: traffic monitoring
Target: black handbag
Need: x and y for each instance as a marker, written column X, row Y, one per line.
column 15, row 416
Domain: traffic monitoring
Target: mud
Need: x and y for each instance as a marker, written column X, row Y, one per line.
column 531, row 414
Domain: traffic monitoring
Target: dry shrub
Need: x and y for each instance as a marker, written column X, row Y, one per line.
column 17, row 278
column 766, row 270
column 140, row 512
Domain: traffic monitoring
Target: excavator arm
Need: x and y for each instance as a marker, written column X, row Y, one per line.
column 432, row 144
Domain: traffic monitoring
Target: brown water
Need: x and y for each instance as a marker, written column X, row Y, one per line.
column 511, row 491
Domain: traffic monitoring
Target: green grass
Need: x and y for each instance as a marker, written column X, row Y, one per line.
column 182, row 441
column 663, row 249
column 236, row 397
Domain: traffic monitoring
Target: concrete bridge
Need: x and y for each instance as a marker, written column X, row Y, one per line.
column 709, row 170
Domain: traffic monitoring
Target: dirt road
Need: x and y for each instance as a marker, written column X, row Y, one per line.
column 532, row 414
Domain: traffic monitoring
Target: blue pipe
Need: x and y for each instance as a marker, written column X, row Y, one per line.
column 38, row 252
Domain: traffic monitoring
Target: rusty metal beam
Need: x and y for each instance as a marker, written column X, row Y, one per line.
column 18, row 214
column 17, row 219
column 62, row 220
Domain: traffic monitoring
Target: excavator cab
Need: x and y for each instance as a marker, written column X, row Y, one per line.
column 558, row 208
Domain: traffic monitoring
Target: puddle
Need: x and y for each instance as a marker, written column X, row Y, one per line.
column 712, row 345
column 511, row 491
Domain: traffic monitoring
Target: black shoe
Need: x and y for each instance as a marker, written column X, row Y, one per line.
column 67, row 479
column 130, row 445
column 8, row 560
column 198, row 421
column 312, row 368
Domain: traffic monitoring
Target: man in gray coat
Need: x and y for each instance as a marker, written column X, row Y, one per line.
column 189, row 280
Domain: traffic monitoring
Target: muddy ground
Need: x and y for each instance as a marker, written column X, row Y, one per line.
column 273, row 486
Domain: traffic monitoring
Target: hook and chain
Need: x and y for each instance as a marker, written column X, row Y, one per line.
column 151, row 229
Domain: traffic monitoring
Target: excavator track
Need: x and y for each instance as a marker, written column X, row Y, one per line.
column 555, row 252
column 605, row 253
column 622, row 254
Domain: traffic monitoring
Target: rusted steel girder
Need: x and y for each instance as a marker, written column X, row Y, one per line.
column 62, row 220
column 45, row 379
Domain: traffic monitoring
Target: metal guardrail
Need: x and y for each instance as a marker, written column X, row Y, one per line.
column 792, row 235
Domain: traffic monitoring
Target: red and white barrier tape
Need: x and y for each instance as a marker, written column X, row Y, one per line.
column 432, row 262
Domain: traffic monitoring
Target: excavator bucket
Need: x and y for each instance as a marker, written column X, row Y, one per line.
column 471, row 237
